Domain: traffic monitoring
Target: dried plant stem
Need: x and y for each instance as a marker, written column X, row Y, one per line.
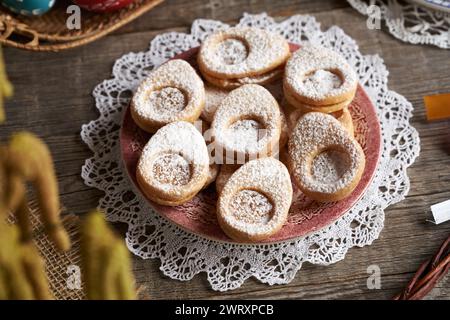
column 428, row 274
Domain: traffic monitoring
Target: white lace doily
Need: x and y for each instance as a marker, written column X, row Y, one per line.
column 410, row 22
column 182, row 254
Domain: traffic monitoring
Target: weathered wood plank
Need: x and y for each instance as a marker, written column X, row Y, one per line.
column 181, row 13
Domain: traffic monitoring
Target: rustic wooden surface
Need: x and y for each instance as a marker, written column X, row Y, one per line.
column 53, row 99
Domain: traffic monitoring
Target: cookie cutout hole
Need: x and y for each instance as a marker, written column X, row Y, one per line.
column 251, row 207
column 232, row 51
column 329, row 166
column 167, row 101
column 322, row 81
column 246, row 132
column 172, row 169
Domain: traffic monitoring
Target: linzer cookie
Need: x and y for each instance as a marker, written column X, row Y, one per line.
column 174, row 164
column 325, row 160
column 255, row 201
column 247, row 124
column 240, row 56
column 319, row 79
column 172, row 92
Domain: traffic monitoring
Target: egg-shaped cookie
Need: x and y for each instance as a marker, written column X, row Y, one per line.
column 317, row 76
column 247, row 124
column 242, row 52
column 172, row 92
column 326, row 162
column 255, row 201
column 174, row 164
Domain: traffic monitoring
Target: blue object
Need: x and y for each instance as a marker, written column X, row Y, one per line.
column 28, row 7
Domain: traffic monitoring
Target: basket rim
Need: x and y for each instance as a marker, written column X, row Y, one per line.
column 67, row 42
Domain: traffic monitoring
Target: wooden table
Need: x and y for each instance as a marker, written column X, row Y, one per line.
column 53, row 99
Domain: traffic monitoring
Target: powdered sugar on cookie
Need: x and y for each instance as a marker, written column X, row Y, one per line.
column 255, row 201
column 251, row 207
column 171, row 92
column 241, row 52
column 166, row 102
column 324, row 157
column 328, row 167
column 317, row 73
column 247, row 121
column 174, row 159
column 244, row 134
column 321, row 82
column 171, row 169
column 231, row 51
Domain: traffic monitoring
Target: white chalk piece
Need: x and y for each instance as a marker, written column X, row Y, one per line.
column 441, row 212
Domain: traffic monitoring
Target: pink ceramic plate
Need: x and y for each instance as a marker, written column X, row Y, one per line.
column 306, row 215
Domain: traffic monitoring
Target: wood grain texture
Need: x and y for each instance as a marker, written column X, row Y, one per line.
column 53, row 99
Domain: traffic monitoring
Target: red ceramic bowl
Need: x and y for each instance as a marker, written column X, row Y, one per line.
column 306, row 215
column 102, row 5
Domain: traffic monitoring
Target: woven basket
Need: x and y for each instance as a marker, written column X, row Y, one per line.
column 49, row 32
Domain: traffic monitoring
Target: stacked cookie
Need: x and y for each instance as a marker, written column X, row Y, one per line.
column 172, row 92
column 325, row 160
column 319, row 79
column 229, row 59
column 244, row 129
column 174, row 164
